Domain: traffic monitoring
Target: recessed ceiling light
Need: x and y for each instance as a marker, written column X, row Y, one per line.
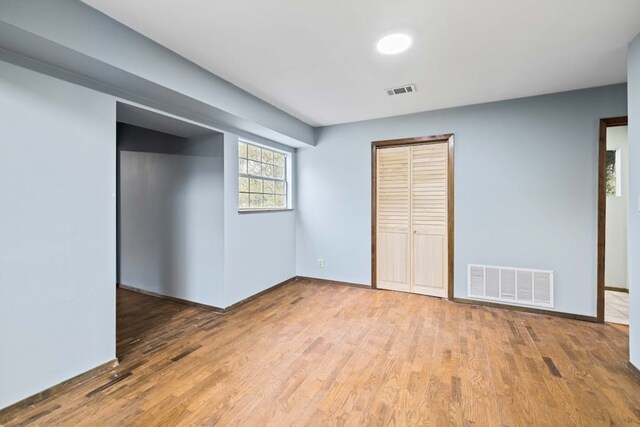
column 394, row 43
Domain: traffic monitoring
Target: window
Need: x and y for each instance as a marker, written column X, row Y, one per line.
column 263, row 178
column 613, row 173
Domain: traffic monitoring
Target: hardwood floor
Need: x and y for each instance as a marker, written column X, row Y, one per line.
column 323, row 354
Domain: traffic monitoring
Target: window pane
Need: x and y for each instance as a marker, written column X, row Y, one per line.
column 243, row 185
column 267, row 170
column 278, row 159
column 267, row 156
column 253, row 191
column 611, row 173
column 255, row 168
column 278, row 172
column 244, row 201
column 268, row 201
column 254, row 153
column 255, row 185
column 268, row 187
column 255, row 201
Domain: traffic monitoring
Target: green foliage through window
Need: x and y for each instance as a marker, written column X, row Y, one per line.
column 611, row 173
column 262, row 178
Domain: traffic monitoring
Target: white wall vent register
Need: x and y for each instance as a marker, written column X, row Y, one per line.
column 510, row 285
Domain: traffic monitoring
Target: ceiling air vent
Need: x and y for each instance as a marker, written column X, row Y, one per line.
column 401, row 90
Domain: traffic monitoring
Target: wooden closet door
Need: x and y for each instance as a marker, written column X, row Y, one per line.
column 393, row 239
column 429, row 252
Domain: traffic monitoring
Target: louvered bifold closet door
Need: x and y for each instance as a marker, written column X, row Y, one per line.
column 429, row 164
column 393, row 244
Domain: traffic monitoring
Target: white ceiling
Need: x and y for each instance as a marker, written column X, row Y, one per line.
column 316, row 59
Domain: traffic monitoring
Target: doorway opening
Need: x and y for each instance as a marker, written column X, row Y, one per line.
column 169, row 223
column 412, row 215
column 613, row 202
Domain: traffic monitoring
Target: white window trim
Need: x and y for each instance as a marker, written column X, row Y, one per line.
column 288, row 178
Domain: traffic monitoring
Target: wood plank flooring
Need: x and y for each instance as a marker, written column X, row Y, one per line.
column 315, row 353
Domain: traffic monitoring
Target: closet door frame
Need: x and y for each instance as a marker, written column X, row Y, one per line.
column 435, row 139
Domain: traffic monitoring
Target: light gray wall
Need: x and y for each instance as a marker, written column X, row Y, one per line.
column 57, row 234
column 259, row 248
column 525, row 189
column 171, row 214
column 89, row 48
column 633, row 241
column 170, row 203
column 616, row 229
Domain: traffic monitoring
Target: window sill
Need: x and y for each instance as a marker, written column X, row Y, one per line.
column 251, row 211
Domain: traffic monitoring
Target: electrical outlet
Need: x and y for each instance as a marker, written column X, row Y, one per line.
column 320, row 263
